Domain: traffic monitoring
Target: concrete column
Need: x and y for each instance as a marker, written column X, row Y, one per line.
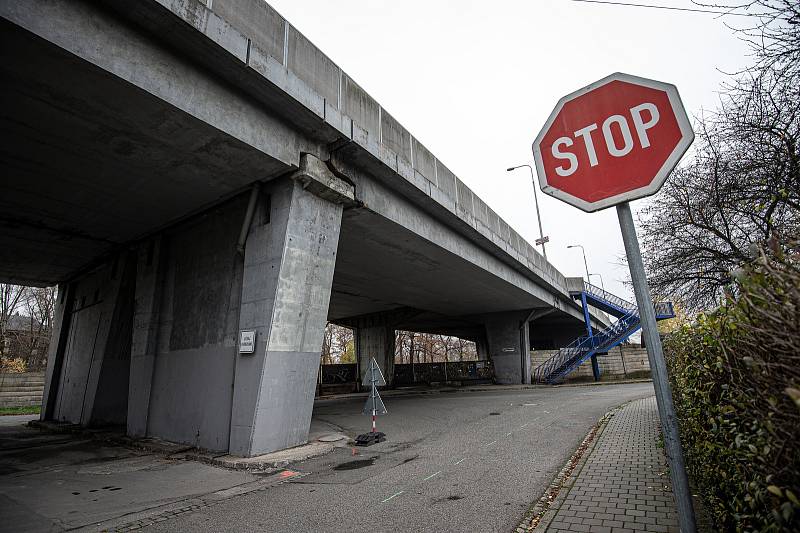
column 92, row 335
column 378, row 342
column 505, row 345
column 144, row 339
column 55, row 353
column 525, row 341
column 288, row 272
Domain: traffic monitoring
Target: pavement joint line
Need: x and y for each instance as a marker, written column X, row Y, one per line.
column 393, row 496
column 459, row 461
column 485, row 445
column 432, row 475
column 509, row 433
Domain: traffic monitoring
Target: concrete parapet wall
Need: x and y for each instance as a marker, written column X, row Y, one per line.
column 21, row 390
column 621, row 362
column 351, row 111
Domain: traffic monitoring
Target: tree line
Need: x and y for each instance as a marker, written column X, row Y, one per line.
column 26, row 322
column 338, row 347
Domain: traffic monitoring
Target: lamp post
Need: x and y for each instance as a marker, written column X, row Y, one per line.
column 584, row 259
column 602, row 285
column 542, row 239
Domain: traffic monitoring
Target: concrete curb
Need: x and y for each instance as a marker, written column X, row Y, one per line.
column 269, row 461
column 261, row 463
column 541, row 514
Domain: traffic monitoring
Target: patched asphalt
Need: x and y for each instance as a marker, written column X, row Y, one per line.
column 451, row 463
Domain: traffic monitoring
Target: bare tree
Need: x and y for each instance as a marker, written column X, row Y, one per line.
column 11, row 296
column 432, row 348
column 337, row 345
column 741, row 188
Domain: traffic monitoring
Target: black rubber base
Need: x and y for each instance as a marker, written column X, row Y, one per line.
column 368, row 439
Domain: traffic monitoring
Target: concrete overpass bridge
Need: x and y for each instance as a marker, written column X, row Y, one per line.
column 189, row 170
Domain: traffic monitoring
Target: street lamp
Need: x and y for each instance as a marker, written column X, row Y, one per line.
column 542, row 239
column 602, row 285
column 584, row 259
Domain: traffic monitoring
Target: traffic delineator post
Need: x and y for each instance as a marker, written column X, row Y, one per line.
column 374, row 405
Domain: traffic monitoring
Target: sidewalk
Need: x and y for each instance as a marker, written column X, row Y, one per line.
column 621, row 485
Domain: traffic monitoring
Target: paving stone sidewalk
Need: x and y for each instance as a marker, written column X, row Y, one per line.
column 623, row 486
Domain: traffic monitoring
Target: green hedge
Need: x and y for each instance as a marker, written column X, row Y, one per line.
column 735, row 375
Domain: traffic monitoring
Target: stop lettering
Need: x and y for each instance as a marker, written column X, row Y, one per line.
column 613, row 141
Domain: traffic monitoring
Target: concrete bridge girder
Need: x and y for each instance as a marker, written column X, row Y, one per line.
column 145, row 159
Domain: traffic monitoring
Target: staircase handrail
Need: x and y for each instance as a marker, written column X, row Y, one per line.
column 583, row 345
column 567, row 358
column 603, row 294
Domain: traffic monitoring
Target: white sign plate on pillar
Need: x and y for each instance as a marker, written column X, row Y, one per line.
column 247, row 342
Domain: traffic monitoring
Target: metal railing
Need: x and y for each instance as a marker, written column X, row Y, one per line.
column 568, row 358
column 613, row 299
column 583, row 347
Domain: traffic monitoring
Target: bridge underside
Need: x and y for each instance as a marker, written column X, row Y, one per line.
column 135, row 205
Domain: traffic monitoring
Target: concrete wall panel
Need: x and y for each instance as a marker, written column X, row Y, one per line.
column 360, row 106
column 620, row 363
column 193, row 368
column 110, row 404
column 313, row 67
column 395, row 136
column 191, row 396
column 446, row 180
column 464, row 197
column 257, row 20
column 424, row 162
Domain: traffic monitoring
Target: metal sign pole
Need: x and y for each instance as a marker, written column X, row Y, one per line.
column 658, row 367
column 374, row 393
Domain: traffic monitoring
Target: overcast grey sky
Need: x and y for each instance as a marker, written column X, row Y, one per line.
column 474, row 82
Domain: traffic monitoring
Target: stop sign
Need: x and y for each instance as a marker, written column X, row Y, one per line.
column 611, row 142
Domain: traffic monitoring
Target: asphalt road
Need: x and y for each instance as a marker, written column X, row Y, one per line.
column 461, row 461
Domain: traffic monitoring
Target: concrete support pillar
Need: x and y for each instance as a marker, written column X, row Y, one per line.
column 525, row 344
column 482, row 349
column 90, row 326
column 144, row 339
column 55, row 354
column 506, row 348
column 288, row 272
column 378, row 342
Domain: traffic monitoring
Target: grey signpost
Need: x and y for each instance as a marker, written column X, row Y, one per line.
column 581, row 158
column 658, row 367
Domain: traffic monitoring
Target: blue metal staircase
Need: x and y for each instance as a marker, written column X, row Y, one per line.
column 556, row 369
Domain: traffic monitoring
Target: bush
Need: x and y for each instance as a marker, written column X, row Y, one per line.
column 735, row 375
column 14, row 365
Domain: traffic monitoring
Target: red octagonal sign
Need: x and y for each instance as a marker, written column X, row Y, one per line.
column 611, row 142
